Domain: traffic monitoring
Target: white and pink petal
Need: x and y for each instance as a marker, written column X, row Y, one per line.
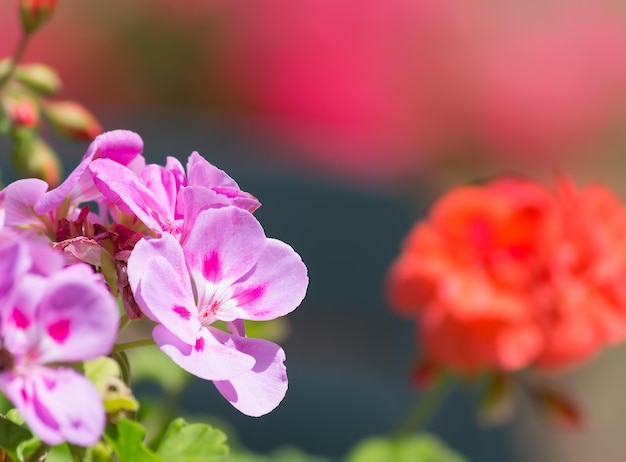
column 276, row 285
column 212, row 356
column 77, row 317
column 57, row 404
column 260, row 390
column 223, row 246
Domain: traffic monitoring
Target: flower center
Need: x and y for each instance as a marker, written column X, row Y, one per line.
column 6, row 360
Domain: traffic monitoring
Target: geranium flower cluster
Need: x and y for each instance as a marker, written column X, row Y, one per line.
column 179, row 246
column 51, row 313
column 513, row 274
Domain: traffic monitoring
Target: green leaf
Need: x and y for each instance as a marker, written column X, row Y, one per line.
column 184, row 442
column 11, row 436
column 284, row 454
column 421, row 448
column 60, row 453
column 127, row 440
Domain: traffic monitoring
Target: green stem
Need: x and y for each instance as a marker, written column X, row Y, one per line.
column 18, row 54
column 124, row 321
column 426, row 406
column 39, row 452
column 134, row 344
column 122, row 361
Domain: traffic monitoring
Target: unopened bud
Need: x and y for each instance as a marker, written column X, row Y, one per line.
column 72, row 120
column 22, row 112
column 498, row 402
column 559, row 409
column 5, row 68
column 424, row 373
column 38, row 77
column 36, row 12
column 36, row 159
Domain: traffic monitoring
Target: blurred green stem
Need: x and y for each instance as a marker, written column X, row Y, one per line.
column 124, row 321
column 425, row 407
column 134, row 344
column 18, row 54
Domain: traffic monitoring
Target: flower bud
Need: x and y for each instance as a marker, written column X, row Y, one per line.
column 559, row 409
column 38, row 77
column 424, row 374
column 72, row 120
column 22, row 112
column 37, row 159
column 498, row 402
column 35, row 13
column 5, row 68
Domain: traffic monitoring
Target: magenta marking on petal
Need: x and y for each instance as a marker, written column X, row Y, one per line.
column 20, row 319
column 250, row 295
column 199, row 346
column 182, row 311
column 211, row 266
column 49, row 382
column 24, row 394
column 59, row 330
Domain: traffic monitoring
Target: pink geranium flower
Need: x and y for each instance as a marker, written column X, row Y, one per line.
column 226, row 270
column 164, row 198
column 50, row 314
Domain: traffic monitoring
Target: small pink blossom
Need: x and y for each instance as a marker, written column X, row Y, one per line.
column 164, row 198
column 52, row 314
column 226, row 270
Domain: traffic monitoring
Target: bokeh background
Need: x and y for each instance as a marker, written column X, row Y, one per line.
column 346, row 118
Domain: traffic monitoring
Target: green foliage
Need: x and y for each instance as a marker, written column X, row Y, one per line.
column 422, row 448
column 12, row 436
column 127, row 440
column 182, row 442
column 286, row 454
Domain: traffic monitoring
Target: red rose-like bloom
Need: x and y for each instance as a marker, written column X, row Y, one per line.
column 510, row 274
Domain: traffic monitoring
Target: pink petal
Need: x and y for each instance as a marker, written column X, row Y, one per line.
column 77, row 317
column 202, row 173
column 14, row 262
column 213, row 355
column 163, row 185
column 19, row 201
column 121, row 146
column 140, row 267
column 173, row 165
column 275, row 287
column 168, row 298
column 236, row 242
column 260, row 390
column 57, row 404
column 82, row 249
column 19, row 327
column 124, row 189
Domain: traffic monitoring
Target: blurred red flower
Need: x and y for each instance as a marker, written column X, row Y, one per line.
column 511, row 274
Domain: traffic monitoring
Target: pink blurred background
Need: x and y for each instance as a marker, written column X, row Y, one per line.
column 373, row 91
